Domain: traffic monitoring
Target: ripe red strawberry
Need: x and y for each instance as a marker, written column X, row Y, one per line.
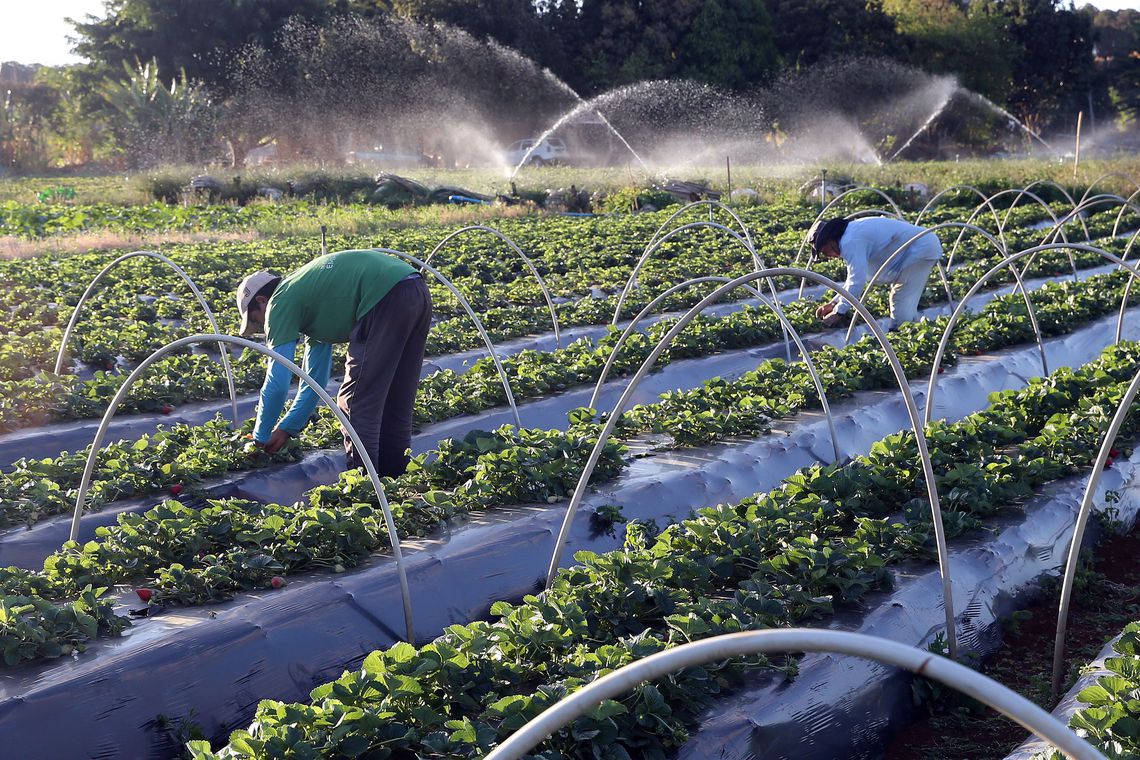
column 1108, row 463
column 277, row 581
column 176, row 489
column 1114, row 452
column 941, row 370
column 109, row 365
column 144, row 593
column 167, row 408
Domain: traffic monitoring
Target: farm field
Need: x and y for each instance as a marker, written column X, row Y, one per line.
column 210, row 600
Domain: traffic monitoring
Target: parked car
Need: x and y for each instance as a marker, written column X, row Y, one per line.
column 552, row 150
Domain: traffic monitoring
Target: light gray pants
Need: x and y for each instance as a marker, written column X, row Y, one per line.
column 907, row 290
column 382, row 374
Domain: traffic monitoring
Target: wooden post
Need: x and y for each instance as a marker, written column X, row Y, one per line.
column 1077, row 153
column 728, row 170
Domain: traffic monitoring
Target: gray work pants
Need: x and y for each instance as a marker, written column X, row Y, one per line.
column 382, row 373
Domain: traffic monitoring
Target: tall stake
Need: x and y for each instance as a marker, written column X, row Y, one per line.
column 728, row 171
column 1077, row 153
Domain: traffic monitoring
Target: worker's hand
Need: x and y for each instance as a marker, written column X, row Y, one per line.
column 832, row 319
column 276, row 441
column 823, row 311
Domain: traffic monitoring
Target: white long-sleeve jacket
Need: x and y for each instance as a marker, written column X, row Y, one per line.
column 868, row 242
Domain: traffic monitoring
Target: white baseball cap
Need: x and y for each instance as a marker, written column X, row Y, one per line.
column 246, row 291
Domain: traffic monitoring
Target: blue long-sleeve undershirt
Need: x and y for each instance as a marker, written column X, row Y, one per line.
column 275, row 389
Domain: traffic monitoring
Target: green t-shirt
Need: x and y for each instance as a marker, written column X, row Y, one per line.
column 323, row 299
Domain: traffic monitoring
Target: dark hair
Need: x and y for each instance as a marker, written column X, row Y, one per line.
column 832, row 229
column 267, row 289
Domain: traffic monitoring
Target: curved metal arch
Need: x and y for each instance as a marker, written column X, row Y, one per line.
column 306, row 378
column 784, row 322
column 1016, row 276
column 657, row 242
column 1107, row 175
column 728, row 645
column 526, row 260
column 654, row 245
column 985, row 202
column 1007, row 262
column 1083, row 513
column 471, row 313
column 713, row 205
column 941, row 270
column 1050, row 183
column 1120, row 214
column 1048, row 209
column 900, row 378
column 1127, row 286
column 193, row 288
column 1096, row 200
column 826, row 208
column 1020, row 194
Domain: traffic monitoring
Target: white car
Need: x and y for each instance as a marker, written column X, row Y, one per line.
column 552, row 150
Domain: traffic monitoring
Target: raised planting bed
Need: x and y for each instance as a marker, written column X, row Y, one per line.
column 496, row 556
column 824, row 541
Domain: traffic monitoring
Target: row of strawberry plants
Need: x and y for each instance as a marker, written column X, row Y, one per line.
column 783, row 558
column 184, row 455
column 194, row 556
column 50, row 397
column 1110, row 717
column 103, row 337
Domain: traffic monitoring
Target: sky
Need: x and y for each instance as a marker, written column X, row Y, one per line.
column 34, row 31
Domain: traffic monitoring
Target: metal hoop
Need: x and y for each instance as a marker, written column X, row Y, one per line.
column 1122, row 410
column 1072, row 203
column 1016, row 276
column 1105, row 176
column 471, row 313
column 650, row 249
column 1007, row 262
column 526, row 259
column 728, row 645
column 985, row 202
column 826, row 208
column 193, row 288
column 305, row 377
column 900, row 378
column 784, row 322
column 658, row 241
column 713, row 205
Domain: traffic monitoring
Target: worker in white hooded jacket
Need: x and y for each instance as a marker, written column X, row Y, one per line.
column 865, row 244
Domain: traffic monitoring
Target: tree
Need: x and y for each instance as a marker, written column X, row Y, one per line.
column 198, row 37
column 944, row 37
column 807, row 31
column 1053, row 76
column 730, row 44
column 158, row 123
column 514, row 23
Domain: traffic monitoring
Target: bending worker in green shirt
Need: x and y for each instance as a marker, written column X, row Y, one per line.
column 380, row 307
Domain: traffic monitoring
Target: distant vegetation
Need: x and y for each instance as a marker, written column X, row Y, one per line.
column 206, row 81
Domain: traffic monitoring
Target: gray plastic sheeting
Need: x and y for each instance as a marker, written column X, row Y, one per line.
column 1034, row 748
column 286, row 484
column 847, row 707
column 212, row 665
column 50, row 440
